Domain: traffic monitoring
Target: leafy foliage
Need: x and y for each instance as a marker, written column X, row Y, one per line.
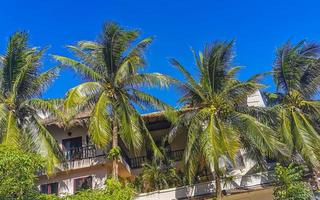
column 114, row 152
column 18, row 173
column 214, row 113
column 21, row 85
column 113, row 66
column 296, row 75
column 158, row 174
column 289, row 184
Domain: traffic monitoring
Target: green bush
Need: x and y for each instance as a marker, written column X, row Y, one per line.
column 157, row 175
column 47, row 197
column 89, row 195
column 114, row 190
column 18, row 173
column 289, row 184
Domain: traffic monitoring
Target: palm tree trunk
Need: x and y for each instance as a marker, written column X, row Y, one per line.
column 115, row 167
column 218, row 186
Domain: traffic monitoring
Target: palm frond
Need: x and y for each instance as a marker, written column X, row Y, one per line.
column 100, row 129
column 50, row 108
column 306, row 138
column 86, row 71
column 149, row 80
column 45, row 145
column 133, row 60
column 191, row 82
column 42, row 82
column 292, row 67
column 26, row 74
column 128, row 120
column 13, row 60
column 261, row 136
column 83, row 51
column 310, row 80
column 10, row 130
column 78, row 97
column 149, row 101
column 115, row 41
column 218, row 57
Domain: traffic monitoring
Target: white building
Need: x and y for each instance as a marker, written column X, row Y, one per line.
column 87, row 166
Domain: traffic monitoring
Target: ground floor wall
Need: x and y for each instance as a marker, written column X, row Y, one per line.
column 258, row 194
column 263, row 194
column 66, row 180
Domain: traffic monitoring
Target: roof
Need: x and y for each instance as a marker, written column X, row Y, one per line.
column 256, row 99
column 82, row 117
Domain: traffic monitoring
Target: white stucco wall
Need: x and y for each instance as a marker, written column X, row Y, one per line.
column 256, row 99
column 60, row 133
column 66, row 181
column 250, row 182
column 89, row 167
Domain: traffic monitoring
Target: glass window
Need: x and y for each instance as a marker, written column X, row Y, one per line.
column 83, row 183
column 51, row 188
column 72, row 148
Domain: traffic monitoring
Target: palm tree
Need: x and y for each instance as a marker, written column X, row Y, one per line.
column 296, row 74
column 159, row 174
column 21, row 85
column 112, row 65
column 212, row 104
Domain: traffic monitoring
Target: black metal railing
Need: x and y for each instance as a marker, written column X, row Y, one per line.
column 125, row 157
column 137, row 162
column 79, row 153
column 176, row 155
column 90, row 151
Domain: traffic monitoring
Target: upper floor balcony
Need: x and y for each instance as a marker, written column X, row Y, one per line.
column 85, row 156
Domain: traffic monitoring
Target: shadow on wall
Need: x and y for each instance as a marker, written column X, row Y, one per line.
column 64, row 187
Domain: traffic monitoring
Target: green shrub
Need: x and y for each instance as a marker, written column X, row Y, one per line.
column 18, row 173
column 118, row 191
column 158, row 174
column 289, row 184
column 89, row 195
column 47, row 197
column 114, row 190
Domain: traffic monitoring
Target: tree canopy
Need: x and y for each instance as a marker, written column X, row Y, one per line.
column 21, row 108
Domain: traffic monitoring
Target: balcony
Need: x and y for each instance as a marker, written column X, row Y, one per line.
column 87, row 156
column 80, row 153
column 137, row 162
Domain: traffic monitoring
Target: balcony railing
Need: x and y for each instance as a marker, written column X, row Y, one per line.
column 90, row 151
column 176, row 155
column 79, row 153
column 137, row 162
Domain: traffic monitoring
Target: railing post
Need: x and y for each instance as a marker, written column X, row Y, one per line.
column 79, row 153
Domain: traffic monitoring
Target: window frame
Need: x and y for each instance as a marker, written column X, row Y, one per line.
column 49, row 188
column 82, row 178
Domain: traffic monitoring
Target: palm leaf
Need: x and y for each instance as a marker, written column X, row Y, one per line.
column 10, row 134
column 100, row 129
column 79, row 67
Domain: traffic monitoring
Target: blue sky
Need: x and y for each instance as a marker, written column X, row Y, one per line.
column 259, row 26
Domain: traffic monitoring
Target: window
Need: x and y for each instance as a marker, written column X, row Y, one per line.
column 72, row 147
column 51, row 188
column 82, row 183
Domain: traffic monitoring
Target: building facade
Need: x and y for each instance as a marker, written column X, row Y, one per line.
column 88, row 167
